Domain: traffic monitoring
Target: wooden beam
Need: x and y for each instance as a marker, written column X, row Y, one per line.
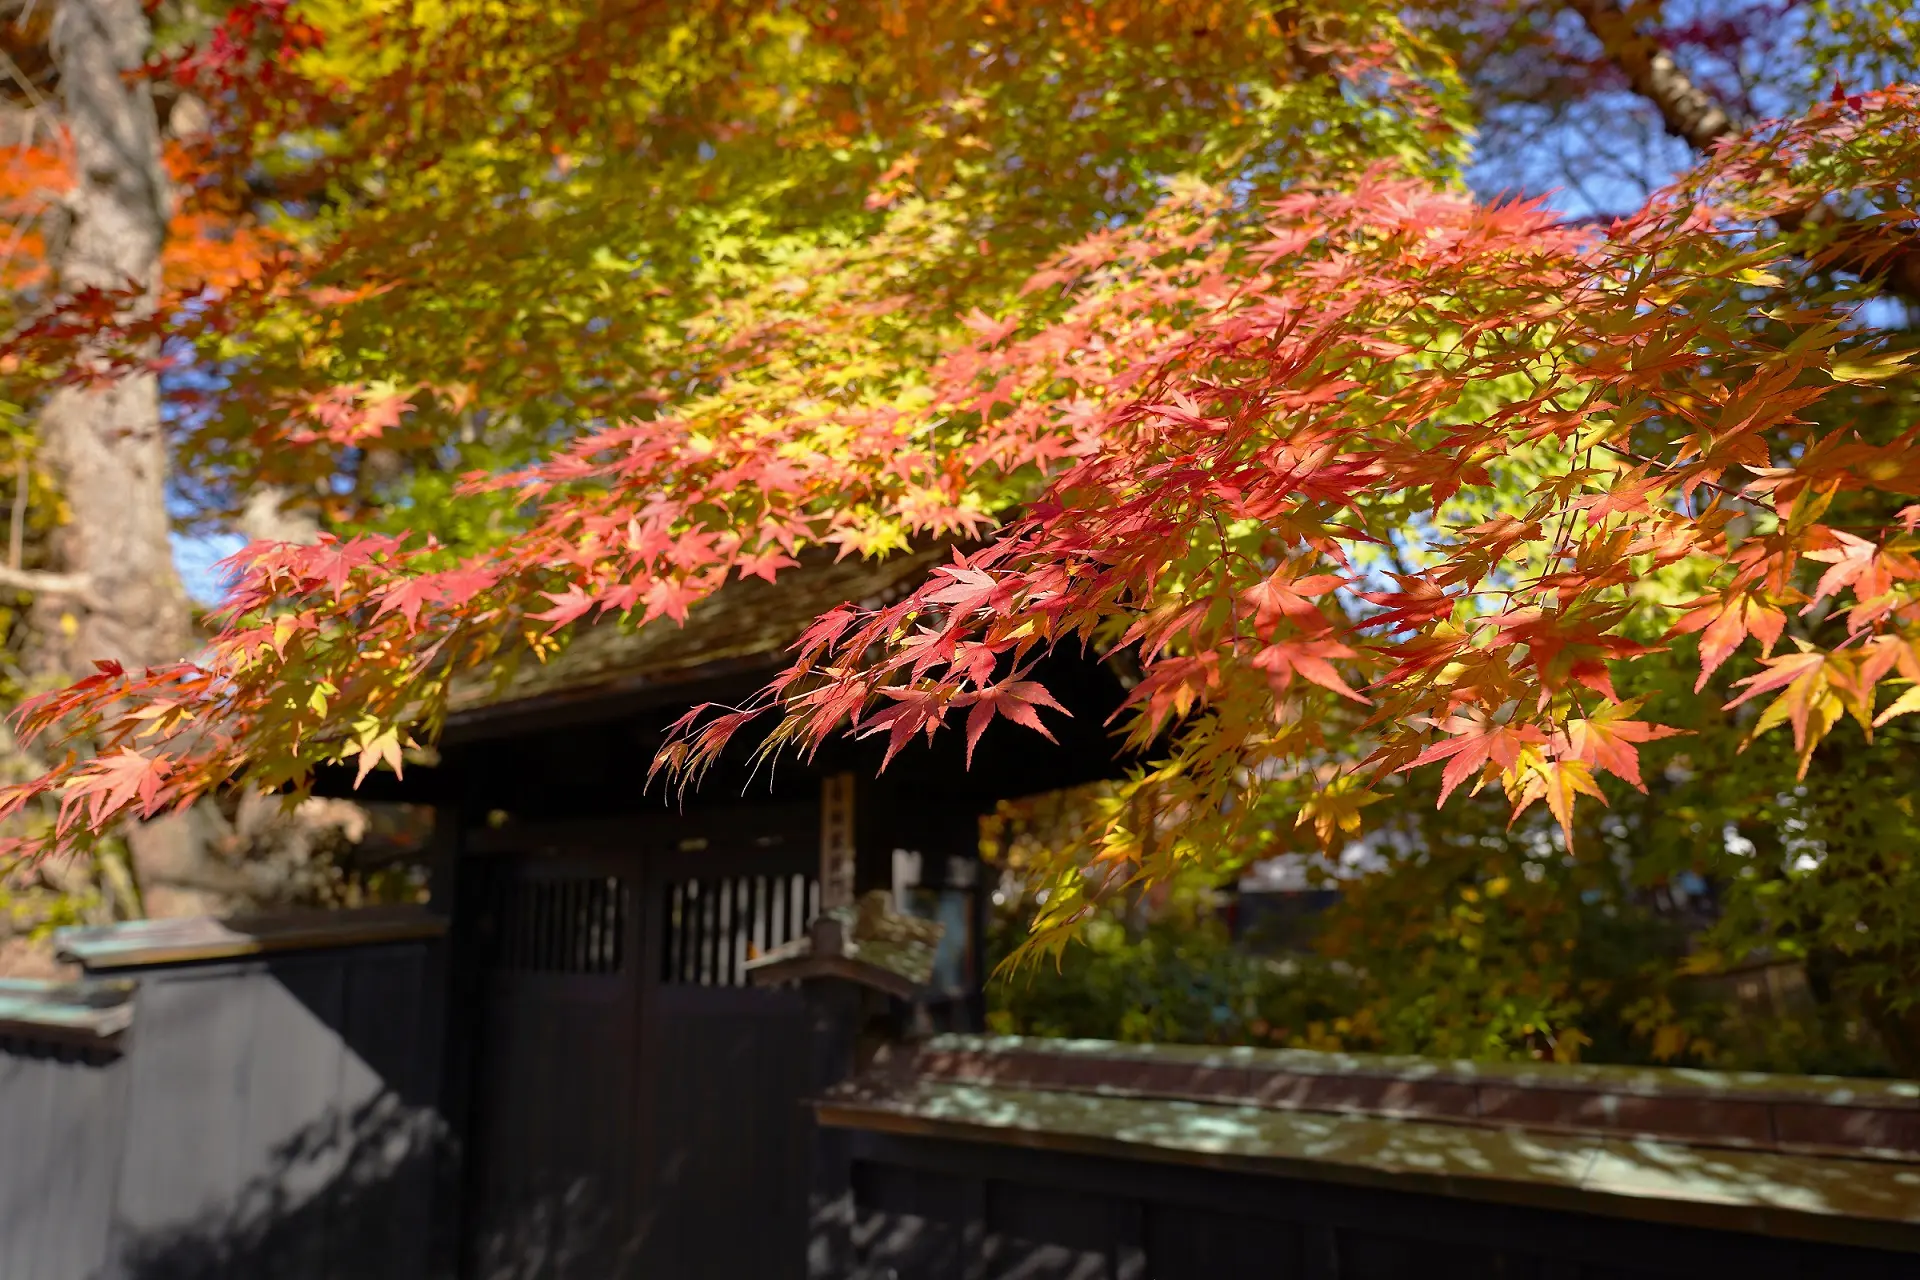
column 142, row 943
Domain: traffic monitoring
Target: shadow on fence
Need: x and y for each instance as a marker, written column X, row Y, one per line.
column 347, row 1196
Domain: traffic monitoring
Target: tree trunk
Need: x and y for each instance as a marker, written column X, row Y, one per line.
column 105, row 444
column 113, row 591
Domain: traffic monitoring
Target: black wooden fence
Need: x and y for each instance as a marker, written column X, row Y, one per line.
column 986, row 1159
column 262, row 1103
column 233, row 1103
column 63, row 1096
column 930, row 1209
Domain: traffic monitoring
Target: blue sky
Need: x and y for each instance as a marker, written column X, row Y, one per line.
column 196, row 557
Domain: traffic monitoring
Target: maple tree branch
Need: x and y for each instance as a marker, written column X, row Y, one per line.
column 1688, row 110
column 1692, row 113
column 77, row 585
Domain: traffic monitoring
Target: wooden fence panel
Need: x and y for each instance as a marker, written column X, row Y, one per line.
column 61, row 1118
column 280, row 1120
column 226, row 1101
column 930, row 1209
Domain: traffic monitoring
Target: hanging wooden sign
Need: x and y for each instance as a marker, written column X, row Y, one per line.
column 836, row 841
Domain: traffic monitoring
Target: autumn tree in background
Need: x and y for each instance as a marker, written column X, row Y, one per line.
column 110, row 242
column 1186, row 325
column 90, row 201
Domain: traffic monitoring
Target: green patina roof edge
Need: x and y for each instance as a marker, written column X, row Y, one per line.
column 1650, row 1081
column 1825, row 1199
column 140, row 943
column 83, row 1013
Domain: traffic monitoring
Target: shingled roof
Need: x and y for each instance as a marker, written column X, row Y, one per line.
column 746, row 626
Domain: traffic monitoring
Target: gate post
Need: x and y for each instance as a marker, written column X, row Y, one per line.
column 859, row 969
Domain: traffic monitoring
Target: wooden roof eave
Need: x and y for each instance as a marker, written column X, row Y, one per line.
column 741, row 635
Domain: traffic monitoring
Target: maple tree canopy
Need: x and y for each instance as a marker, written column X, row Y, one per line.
column 1189, row 324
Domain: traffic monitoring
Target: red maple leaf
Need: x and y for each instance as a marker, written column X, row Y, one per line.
column 111, row 783
column 408, row 596
column 1608, row 740
column 764, row 564
column 1473, row 745
column 1016, row 700
column 567, row 605
column 1308, row 658
column 1294, row 599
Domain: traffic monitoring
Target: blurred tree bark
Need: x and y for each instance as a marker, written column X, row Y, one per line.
column 120, row 598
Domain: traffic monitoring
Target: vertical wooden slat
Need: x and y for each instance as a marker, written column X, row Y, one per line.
column 579, row 913
column 690, row 908
column 704, row 932
column 722, row 931
column 723, row 953
column 526, row 907
column 616, row 923
column 542, row 903
column 680, row 927
column 556, row 925
column 512, row 921
column 670, row 938
column 528, row 893
column 580, row 926
column 523, row 922
column 730, row 931
column 718, row 951
column 730, row 957
column 506, row 922
column 742, row 929
column 543, row 927
column 550, row 894
column 777, row 911
column 697, row 937
column 750, row 921
column 609, row 926
column 586, row 926
column 603, row 926
column 703, row 965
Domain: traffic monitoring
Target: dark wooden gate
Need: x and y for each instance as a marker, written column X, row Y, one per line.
column 637, row 1106
column 727, row 1066
column 552, row 1185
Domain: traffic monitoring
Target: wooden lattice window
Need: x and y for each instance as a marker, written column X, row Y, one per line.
column 715, row 924
column 569, row 925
